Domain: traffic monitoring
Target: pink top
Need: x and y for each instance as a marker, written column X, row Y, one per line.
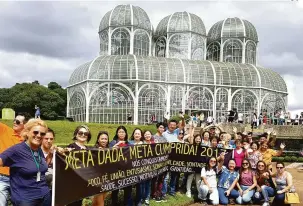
column 246, row 179
column 239, row 157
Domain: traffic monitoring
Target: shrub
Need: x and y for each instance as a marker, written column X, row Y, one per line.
column 287, row 159
column 294, row 159
column 300, row 159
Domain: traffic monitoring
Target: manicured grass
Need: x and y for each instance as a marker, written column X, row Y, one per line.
column 64, row 133
column 64, row 129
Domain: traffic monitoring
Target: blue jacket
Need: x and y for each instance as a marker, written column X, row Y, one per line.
column 226, row 178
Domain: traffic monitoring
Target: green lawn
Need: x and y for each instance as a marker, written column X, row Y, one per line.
column 64, row 132
column 64, row 129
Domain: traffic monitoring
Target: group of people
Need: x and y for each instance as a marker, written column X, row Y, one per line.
column 26, row 161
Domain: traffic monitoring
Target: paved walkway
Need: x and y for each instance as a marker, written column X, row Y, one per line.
column 296, row 169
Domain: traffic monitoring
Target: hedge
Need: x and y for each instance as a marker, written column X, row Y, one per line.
column 287, row 159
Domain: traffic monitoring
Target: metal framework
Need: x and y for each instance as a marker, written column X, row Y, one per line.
column 140, row 75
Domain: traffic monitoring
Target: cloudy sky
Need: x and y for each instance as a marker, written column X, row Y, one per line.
column 46, row 41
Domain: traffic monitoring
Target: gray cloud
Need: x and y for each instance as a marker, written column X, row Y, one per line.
column 46, row 41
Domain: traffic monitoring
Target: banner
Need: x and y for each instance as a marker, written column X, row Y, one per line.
column 186, row 158
column 83, row 173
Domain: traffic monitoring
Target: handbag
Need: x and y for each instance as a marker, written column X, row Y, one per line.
column 292, row 198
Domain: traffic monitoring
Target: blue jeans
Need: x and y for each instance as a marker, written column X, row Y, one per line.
column 172, row 183
column 265, row 193
column 164, row 187
column 4, row 189
column 44, row 201
column 246, row 197
column 223, row 198
column 145, row 189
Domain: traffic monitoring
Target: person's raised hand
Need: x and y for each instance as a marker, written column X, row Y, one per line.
column 282, row 145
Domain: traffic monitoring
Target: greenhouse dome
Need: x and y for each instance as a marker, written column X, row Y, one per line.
column 181, row 35
column 147, row 76
column 232, row 40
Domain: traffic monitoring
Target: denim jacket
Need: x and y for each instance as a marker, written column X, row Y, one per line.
column 226, row 178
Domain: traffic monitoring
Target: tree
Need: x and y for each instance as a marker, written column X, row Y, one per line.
column 23, row 98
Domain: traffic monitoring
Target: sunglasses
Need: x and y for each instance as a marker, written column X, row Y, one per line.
column 181, row 133
column 83, row 133
column 245, row 163
column 42, row 134
column 279, row 168
column 17, row 121
column 214, row 161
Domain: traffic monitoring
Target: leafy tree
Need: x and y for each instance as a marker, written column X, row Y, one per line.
column 23, row 98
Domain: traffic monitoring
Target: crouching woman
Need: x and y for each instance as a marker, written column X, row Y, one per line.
column 28, row 167
column 228, row 178
column 209, row 182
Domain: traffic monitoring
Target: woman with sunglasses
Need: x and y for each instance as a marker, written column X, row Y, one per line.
column 102, row 143
column 247, row 183
column 284, row 183
column 265, row 185
column 208, row 185
column 228, row 178
column 82, row 136
column 121, row 140
column 28, row 167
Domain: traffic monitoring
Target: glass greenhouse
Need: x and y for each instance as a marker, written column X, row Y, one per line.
column 143, row 74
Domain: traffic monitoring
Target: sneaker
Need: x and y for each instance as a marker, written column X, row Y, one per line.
column 265, row 204
column 146, row 202
column 158, row 199
column 163, row 199
column 188, row 194
column 204, row 202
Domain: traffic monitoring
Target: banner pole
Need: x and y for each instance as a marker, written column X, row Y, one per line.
column 54, row 178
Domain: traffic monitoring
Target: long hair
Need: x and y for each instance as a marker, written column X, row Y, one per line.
column 207, row 167
column 125, row 130
column 143, row 138
column 265, row 167
column 195, row 137
column 249, row 166
column 30, row 124
column 98, row 136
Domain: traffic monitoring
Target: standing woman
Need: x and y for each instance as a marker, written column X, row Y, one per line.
column 238, row 154
column 265, row 185
column 82, row 136
column 135, row 139
column 205, row 139
column 247, row 183
column 284, row 184
column 121, row 140
column 28, row 167
column 102, row 143
column 253, row 155
column 196, row 142
column 146, row 185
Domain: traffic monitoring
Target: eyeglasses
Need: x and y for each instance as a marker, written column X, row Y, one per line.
column 279, row 168
column 83, row 133
column 42, row 134
column 17, row 121
column 245, row 163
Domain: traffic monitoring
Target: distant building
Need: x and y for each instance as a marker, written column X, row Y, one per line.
column 177, row 67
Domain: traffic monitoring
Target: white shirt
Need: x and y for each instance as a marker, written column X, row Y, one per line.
column 210, row 176
column 240, row 117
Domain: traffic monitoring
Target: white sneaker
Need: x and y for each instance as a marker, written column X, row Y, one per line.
column 188, row 194
column 265, row 204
